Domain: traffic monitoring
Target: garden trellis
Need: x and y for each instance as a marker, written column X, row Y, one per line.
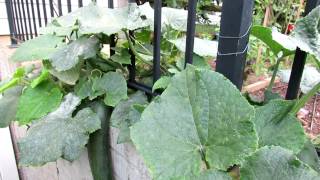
column 25, row 18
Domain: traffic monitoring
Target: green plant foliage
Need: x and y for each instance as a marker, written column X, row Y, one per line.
column 8, row 106
column 37, row 102
column 275, row 126
column 194, row 127
column 307, row 33
column 59, row 134
column 38, row 48
column 42, row 77
column 125, row 115
column 113, row 85
column 309, row 156
column 122, row 56
column 276, row 163
column 68, row 56
column 211, row 175
column 70, row 76
column 277, row 42
column 162, row 83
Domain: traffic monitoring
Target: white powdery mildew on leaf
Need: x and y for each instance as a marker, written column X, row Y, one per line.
column 200, row 114
column 58, row 134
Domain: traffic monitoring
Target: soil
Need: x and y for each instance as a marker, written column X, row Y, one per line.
column 309, row 115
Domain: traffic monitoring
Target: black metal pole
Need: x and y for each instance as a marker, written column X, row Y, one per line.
column 21, row 21
column 191, row 23
column 157, row 40
column 17, row 20
column 34, row 18
column 29, row 19
column 59, row 8
column 51, row 8
column 299, row 62
column 132, row 66
column 44, row 12
column 38, row 12
column 233, row 40
column 69, row 5
column 110, row 4
column 80, row 3
column 11, row 22
column 25, row 21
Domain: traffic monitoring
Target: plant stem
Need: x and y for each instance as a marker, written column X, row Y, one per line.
column 275, row 71
column 135, row 53
column 301, row 102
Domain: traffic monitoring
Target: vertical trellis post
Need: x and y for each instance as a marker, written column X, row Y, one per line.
column 11, row 22
column 235, row 26
column 299, row 62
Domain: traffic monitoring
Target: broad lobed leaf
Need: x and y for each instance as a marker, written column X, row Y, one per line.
column 58, row 134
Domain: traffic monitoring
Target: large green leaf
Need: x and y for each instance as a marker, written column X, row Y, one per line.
column 8, row 105
column 309, row 156
column 307, row 33
column 114, row 85
column 70, row 76
column 68, row 56
column 35, row 103
column 38, row 48
column 275, row 126
column 276, row 163
column 125, row 115
column 200, row 116
column 93, row 19
column 211, row 175
column 277, row 42
column 59, row 134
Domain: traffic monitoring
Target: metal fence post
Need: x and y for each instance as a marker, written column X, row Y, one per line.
column 235, row 26
column 11, row 22
column 299, row 62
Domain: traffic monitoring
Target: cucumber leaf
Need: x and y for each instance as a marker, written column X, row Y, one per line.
column 38, row 48
column 188, row 126
column 276, row 163
column 162, row 83
column 42, row 77
column 275, row 126
column 307, row 33
column 8, row 105
column 37, row 102
column 277, row 42
column 211, row 175
column 114, row 86
column 68, row 56
column 125, row 114
column 309, row 156
column 59, row 134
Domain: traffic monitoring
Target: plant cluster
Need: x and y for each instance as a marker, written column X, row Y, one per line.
column 201, row 127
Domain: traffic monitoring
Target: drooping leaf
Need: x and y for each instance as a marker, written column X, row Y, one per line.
column 309, row 156
column 8, row 105
column 84, row 88
column 93, row 19
column 275, row 126
column 114, row 85
column 202, row 47
column 35, row 103
column 38, row 48
column 70, row 76
column 277, row 42
column 162, row 83
column 276, row 163
column 125, row 115
column 42, row 77
column 58, row 134
column 190, row 122
column 122, row 57
column 307, row 33
column 68, row 56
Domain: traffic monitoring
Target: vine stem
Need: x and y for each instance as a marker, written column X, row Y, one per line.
column 274, row 74
column 302, row 101
column 135, row 53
